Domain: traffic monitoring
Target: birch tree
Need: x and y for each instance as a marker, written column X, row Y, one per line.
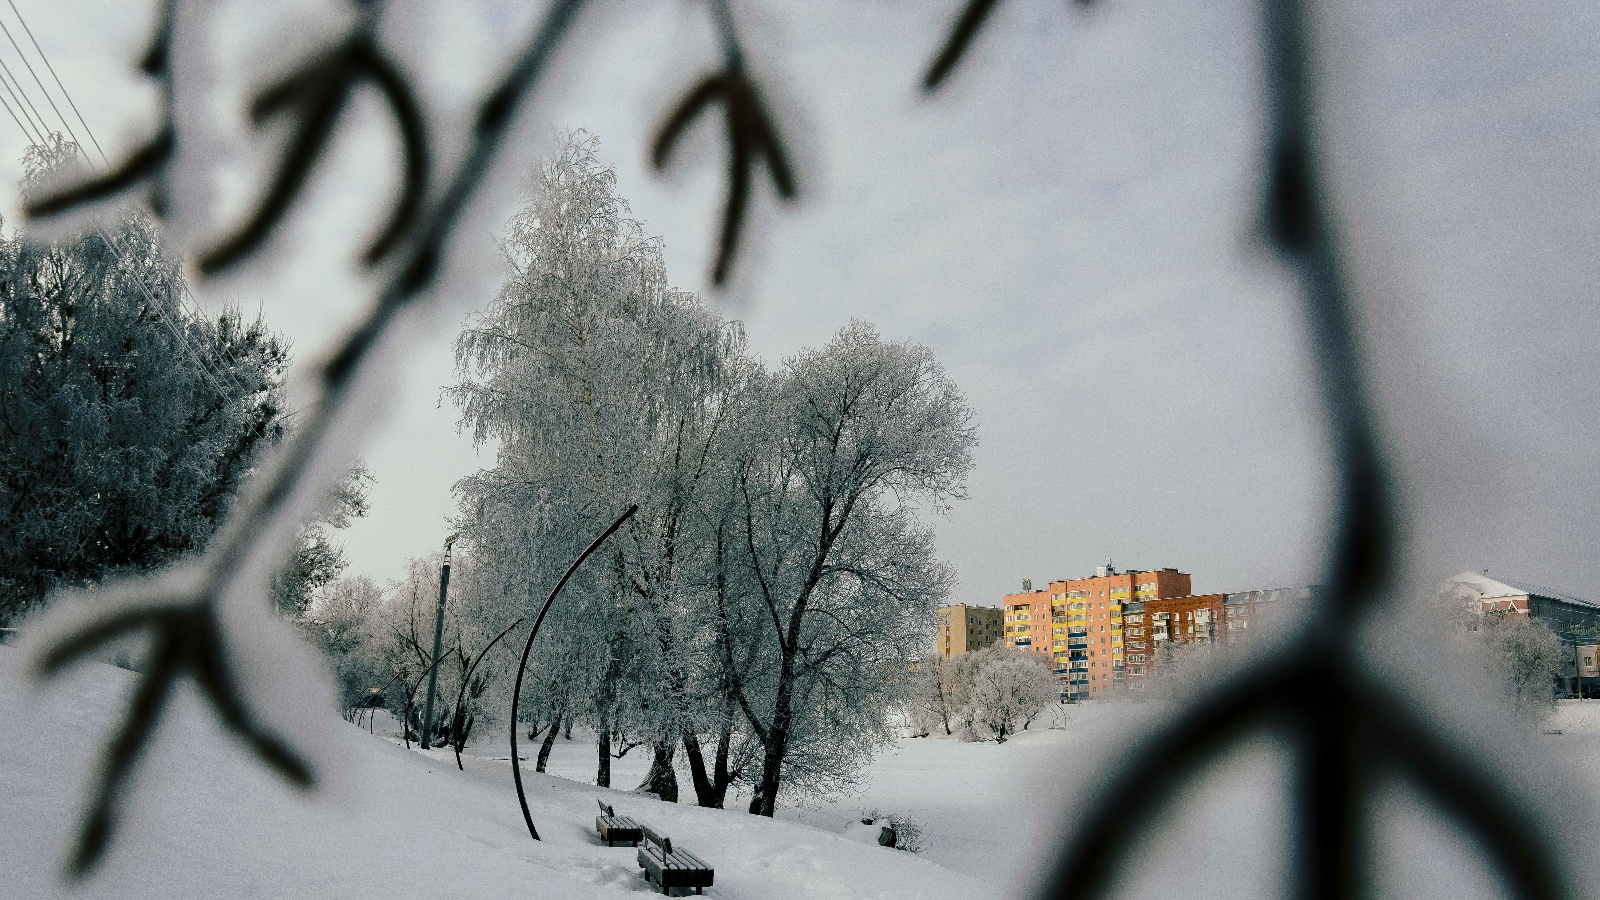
column 754, row 613
column 599, row 382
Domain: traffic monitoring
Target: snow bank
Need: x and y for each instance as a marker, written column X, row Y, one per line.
column 207, row 821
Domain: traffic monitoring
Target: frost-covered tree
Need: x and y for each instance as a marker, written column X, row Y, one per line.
column 842, row 446
column 939, row 695
column 319, row 558
column 1004, row 687
column 1177, row 668
column 126, row 423
column 343, row 619
column 600, row 384
column 1521, row 656
column 1525, row 658
column 753, row 613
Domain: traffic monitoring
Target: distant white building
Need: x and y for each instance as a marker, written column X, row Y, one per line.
column 1575, row 620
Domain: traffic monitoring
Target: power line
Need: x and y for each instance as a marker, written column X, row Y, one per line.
column 53, row 74
column 32, row 138
column 42, row 89
column 193, row 307
column 37, row 119
column 13, row 115
column 180, row 336
column 123, row 256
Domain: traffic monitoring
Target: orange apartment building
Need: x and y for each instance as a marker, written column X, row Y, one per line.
column 1079, row 623
column 1194, row 619
column 1209, row 619
column 964, row 629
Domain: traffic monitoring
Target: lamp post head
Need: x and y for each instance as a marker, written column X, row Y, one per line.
column 447, row 542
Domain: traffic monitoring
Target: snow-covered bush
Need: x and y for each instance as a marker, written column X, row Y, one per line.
column 984, row 695
column 1005, row 687
column 902, row 833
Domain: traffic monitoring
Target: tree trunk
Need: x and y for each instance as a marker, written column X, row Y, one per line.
column 721, row 778
column 765, row 801
column 777, row 747
column 704, row 793
column 663, row 779
column 566, row 729
column 549, row 741
column 603, row 704
column 602, row 776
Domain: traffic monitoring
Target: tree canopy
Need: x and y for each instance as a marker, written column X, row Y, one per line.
column 127, row 423
column 762, row 610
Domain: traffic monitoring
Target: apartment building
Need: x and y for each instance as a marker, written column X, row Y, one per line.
column 1078, row 623
column 963, row 629
column 1244, row 610
column 1027, row 619
column 1169, row 621
column 1203, row 619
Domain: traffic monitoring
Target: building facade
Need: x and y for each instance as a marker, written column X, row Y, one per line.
column 1575, row 620
column 1027, row 620
column 964, row 629
column 1154, row 628
column 1078, row 623
column 1244, row 610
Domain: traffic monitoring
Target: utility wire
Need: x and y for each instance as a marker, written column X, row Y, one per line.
column 42, row 89
column 53, row 74
column 30, row 129
column 193, row 307
column 36, row 120
column 13, row 115
column 123, row 256
column 180, row 336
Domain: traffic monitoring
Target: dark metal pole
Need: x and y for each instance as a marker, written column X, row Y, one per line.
column 438, row 640
column 516, row 690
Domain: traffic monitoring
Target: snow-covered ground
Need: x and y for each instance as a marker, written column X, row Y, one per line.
column 207, row 821
column 985, row 810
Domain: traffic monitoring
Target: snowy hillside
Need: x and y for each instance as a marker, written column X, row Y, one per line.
column 208, row 822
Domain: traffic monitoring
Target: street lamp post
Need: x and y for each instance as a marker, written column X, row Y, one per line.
column 438, row 640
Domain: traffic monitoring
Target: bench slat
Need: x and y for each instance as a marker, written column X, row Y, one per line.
column 689, row 860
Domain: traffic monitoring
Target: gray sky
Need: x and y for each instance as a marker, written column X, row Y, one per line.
column 1069, row 228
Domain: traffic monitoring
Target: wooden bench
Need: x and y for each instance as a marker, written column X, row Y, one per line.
column 615, row 829
column 669, row 868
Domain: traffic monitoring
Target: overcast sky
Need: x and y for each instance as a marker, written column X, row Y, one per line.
column 1069, row 228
